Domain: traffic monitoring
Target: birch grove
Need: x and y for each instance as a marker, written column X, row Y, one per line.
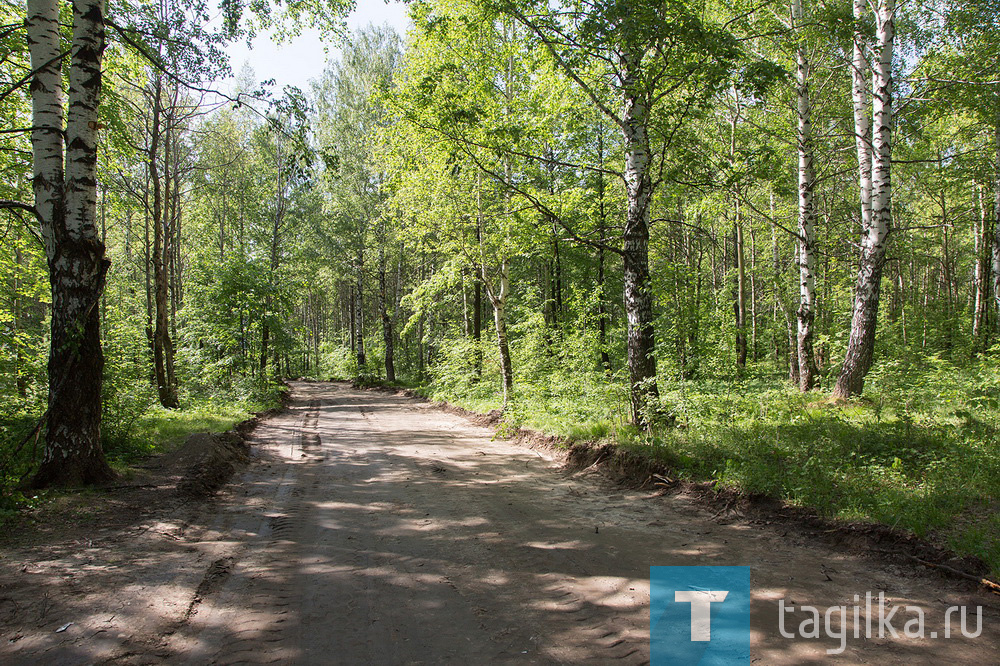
column 596, row 207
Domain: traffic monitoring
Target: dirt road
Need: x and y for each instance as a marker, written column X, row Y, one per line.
column 373, row 528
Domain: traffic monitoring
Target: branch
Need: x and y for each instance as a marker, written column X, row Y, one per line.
column 695, row 227
column 30, row 75
column 158, row 64
column 537, row 204
column 20, row 205
column 523, row 20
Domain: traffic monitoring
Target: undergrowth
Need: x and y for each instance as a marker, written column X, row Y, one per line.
column 133, row 427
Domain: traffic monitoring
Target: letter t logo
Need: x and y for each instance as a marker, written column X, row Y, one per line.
column 701, row 610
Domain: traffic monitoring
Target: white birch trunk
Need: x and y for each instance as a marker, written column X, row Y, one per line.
column 982, row 245
column 807, row 214
column 861, row 345
column 47, row 116
column 635, row 246
column 860, row 77
column 995, row 249
column 498, row 297
column 66, row 199
column 82, row 121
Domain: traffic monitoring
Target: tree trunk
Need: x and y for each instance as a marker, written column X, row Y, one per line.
column 387, row 336
column 162, row 346
column 995, row 249
column 754, row 338
column 147, row 277
column 981, row 242
column 861, row 345
column 794, row 366
column 477, row 296
column 635, row 249
column 947, row 279
column 860, row 76
column 20, row 375
column 265, row 341
column 274, row 256
column 67, row 205
column 498, row 298
column 359, row 344
column 349, row 302
column 807, row 215
column 602, row 223
column 477, row 327
column 740, row 302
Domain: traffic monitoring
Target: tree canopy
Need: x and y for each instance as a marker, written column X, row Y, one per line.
column 606, row 217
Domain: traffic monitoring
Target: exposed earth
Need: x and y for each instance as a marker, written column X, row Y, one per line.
column 369, row 527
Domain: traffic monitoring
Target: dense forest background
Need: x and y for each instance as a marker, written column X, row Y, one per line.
column 755, row 240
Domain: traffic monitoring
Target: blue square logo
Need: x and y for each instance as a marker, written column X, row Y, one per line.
column 699, row 615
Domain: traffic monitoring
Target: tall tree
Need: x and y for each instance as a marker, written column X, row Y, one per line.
column 807, row 206
column 65, row 187
column 875, row 236
column 160, row 134
column 351, row 112
column 659, row 61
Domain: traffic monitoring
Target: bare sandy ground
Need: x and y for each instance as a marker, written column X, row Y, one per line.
column 372, row 528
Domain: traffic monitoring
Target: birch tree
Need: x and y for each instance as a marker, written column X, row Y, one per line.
column 478, row 103
column 878, row 210
column 647, row 66
column 350, row 113
column 64, row 179
column 807, row 206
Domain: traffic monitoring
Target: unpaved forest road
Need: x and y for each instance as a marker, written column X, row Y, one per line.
column 377, row 529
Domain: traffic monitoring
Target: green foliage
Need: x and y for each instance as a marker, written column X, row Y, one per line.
column 487, row 154
column 925, row 460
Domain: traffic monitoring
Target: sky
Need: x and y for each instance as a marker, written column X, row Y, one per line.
column 302, row 59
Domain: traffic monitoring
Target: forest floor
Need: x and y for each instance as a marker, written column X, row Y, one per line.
column 369, row 527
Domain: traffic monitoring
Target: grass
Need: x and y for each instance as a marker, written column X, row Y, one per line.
column 132, row 431
column 920, row 451
column 161, row 429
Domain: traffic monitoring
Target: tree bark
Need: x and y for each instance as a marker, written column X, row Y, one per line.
column 359, row 310
column 635, row 247
column 387, row 335
column 274, row 250
column 477, row 327
column 995, row 249
column 807, row 215
column 860, row 76
column 66, row 201
column 602, row 223
column 982, row 245
column 477, row 296
column 498, row 293
column 740, row 301
column 861, row 345
column 162, row 344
